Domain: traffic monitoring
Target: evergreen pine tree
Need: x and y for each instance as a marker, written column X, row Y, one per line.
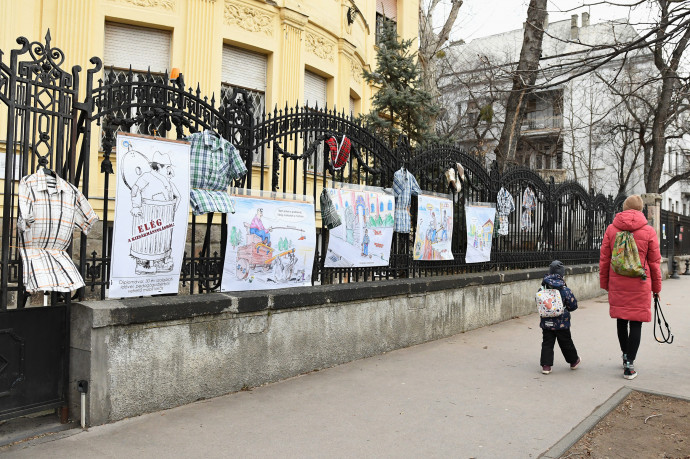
column 400, row 106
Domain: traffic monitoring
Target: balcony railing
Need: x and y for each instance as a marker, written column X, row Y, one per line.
column 535, row 123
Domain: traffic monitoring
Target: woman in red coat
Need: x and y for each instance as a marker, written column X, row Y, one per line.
column 630, row 298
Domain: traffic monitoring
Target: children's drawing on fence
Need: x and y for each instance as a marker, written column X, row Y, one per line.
column 364, row 238
column 434, row 229
column 271, row 244
column 480, row 229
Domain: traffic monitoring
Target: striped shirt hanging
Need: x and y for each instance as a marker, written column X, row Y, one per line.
column 49, row 210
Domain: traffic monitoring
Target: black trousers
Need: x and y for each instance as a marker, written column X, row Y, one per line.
column 565, row 342
column 629, row 341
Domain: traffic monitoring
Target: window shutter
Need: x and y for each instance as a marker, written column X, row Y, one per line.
column 388, row 8
column 244, row 68
column 17, row 166
column 314, row 90
column 140, row 47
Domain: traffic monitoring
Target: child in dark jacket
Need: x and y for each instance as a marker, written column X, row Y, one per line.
column 558, row 328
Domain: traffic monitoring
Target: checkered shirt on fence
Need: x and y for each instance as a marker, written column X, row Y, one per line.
column 49, row 211
column 404, row 186
column 329, row 216
column 214, row 163
column 529, row 202
column 505, row 205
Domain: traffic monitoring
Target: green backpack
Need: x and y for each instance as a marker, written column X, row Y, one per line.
column 625, row 259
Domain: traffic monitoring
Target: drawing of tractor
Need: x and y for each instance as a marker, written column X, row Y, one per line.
column 255, row 255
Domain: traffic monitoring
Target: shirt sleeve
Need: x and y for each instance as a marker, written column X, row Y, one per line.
column 397, row 186
column 414, row 185
column 605, row 260
column 569, row 299
column 26, row 207
column 237, row 168
column 654, row 261
column 85, row 217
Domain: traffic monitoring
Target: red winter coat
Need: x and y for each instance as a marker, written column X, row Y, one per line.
column 630, row 298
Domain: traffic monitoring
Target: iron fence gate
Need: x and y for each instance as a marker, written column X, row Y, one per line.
column 40, row 104
column 675, row 239
column 47, row 125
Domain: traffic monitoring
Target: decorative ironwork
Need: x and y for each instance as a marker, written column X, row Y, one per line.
column 284, row 150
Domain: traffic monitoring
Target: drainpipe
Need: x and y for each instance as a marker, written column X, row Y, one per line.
column 83, row 388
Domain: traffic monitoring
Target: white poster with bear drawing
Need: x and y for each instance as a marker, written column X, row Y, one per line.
column 151, row 211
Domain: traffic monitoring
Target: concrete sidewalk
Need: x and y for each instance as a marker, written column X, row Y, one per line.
column 477, row 394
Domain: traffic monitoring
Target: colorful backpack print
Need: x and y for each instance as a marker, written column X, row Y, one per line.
column 625, row 259
column 549, row 302
column 339, row 153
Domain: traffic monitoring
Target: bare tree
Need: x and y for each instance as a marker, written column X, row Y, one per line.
column 640, row 92
column 431, row 43
column 524, row 79
column 473, row 102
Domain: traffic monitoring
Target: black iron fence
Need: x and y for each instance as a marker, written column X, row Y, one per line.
column 284, row 151
column 675, row 237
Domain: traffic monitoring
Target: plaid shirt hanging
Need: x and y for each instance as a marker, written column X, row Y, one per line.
column 339, row 153
column 504, row 206
column 49, row 211
column 529, row 202
column 329, row 216
column 214, row 163
column 404, row 186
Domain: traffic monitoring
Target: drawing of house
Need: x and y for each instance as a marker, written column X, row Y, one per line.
column 488, row 231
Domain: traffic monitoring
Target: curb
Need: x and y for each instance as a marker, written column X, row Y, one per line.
column 564, row 444
column 587, row 424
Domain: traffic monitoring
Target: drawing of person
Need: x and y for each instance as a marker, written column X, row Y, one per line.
column 155, row 199
column 444, row 227
column 349, row 225
column 433, row 227
column 365, row 243
column 256, row 227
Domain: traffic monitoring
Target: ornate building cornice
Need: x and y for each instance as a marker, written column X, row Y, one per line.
column 293, row 18
column 248, row 18
column 320, row 46
column 162, row 4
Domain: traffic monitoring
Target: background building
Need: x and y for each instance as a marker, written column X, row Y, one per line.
column 284, row 52
column 572, row 129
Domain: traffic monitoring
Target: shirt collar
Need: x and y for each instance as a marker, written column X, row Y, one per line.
column 212, row 140
column 42, row 182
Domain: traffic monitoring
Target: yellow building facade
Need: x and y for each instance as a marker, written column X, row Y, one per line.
column 282, row 51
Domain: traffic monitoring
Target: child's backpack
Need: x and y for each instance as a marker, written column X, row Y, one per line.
column 625, row 259
column 549, row 302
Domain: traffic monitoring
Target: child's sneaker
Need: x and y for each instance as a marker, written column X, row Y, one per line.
column 574, row 365
column 546, row 369
column 629, row 372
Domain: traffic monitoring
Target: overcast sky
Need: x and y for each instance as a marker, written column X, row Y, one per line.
column 479, row 18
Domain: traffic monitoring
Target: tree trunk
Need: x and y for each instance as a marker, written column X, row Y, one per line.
column 523, row 79
column 430, row 43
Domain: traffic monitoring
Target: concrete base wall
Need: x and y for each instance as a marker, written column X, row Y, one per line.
column 145, row 355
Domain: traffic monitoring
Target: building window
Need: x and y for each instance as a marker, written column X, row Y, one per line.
column 472, row 113
column 386, row 12
column 352, row 107
column 314, row 98
column 245, row 70
column 17, row 166
column 142, row 50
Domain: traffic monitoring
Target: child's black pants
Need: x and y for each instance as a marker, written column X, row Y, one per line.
column 565, row 341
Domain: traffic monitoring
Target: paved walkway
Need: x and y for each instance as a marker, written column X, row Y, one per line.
column 477, row 394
